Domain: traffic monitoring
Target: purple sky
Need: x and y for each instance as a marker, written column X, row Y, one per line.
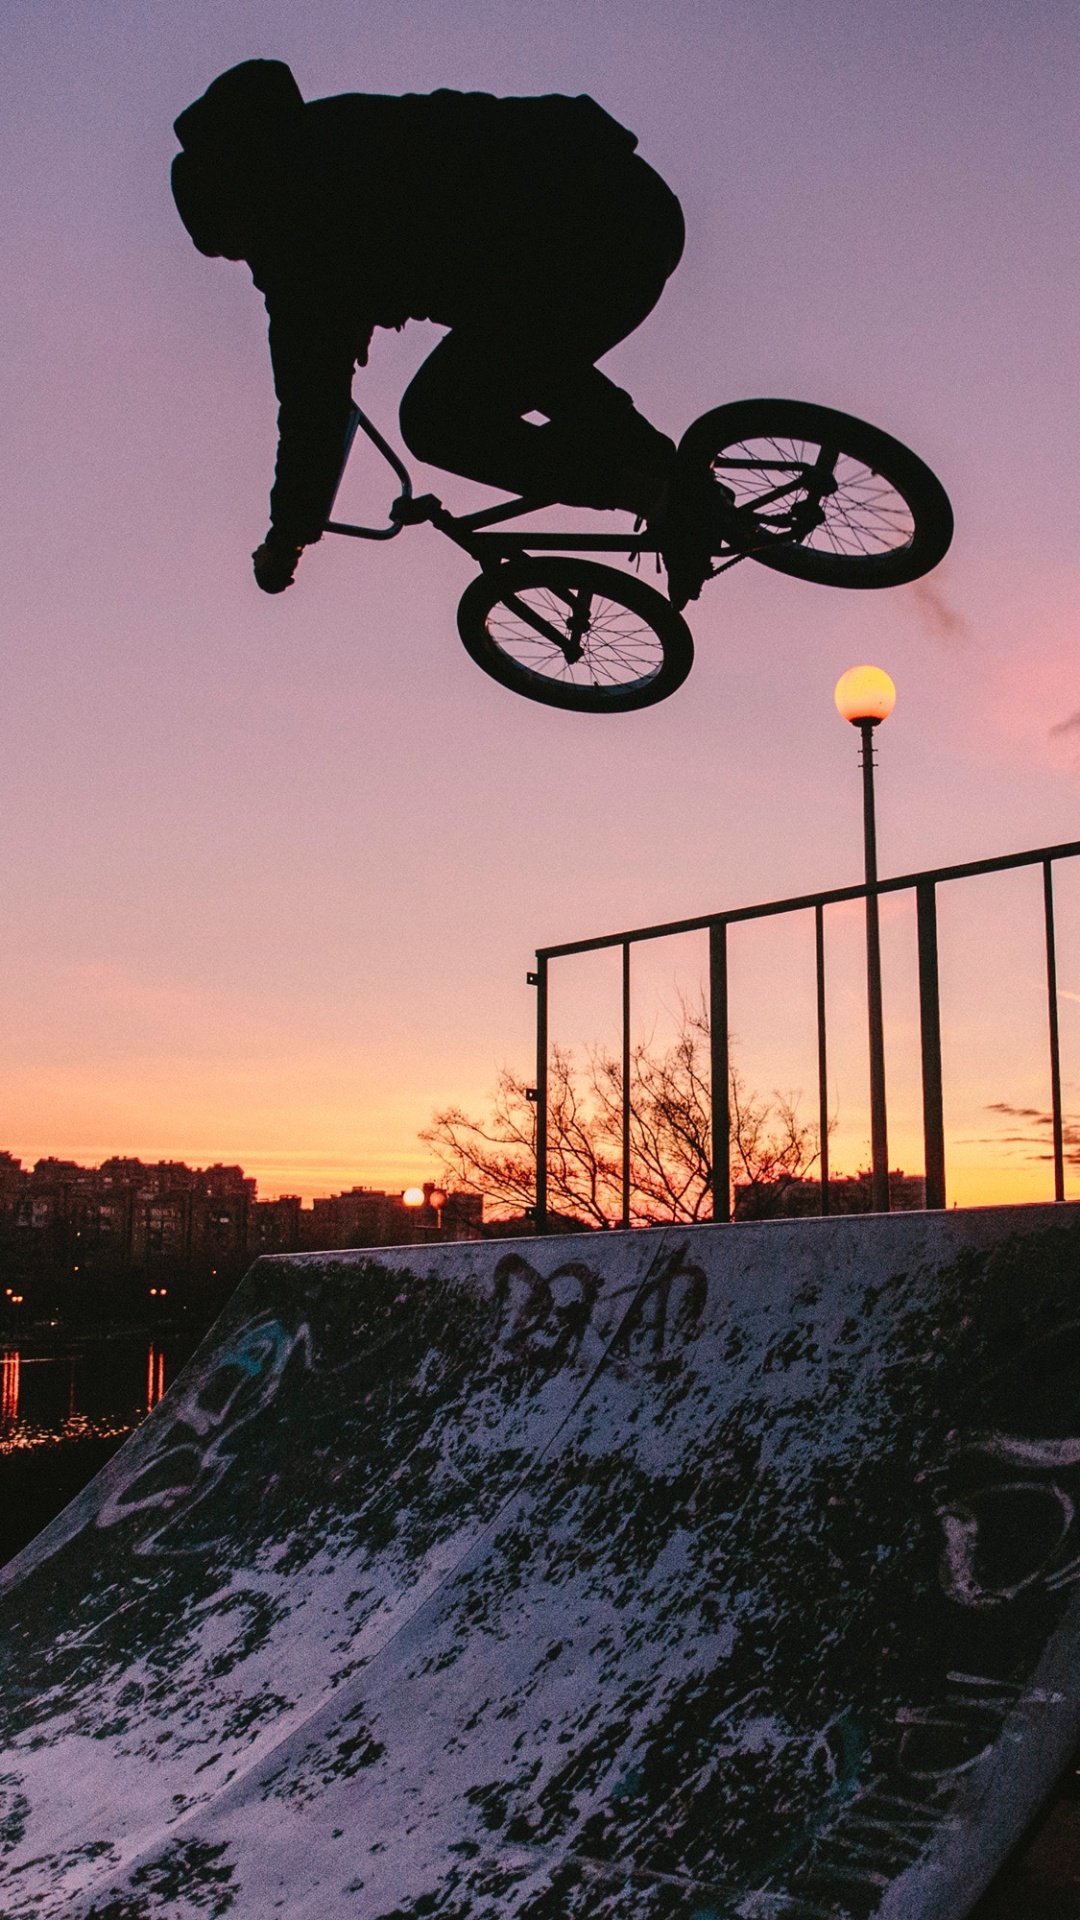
column 272, row 870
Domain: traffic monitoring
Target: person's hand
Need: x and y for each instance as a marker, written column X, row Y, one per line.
column 275, row 563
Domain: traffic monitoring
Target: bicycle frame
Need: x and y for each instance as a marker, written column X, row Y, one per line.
column 470, row 531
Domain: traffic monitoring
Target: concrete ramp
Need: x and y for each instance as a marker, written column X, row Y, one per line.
column 714, row 1574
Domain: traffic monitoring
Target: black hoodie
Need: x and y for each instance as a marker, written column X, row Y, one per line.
column 365, row 210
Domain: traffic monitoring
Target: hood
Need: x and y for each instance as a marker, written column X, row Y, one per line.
column 231, row 137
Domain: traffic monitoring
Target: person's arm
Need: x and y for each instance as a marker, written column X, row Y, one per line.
column 314, row 345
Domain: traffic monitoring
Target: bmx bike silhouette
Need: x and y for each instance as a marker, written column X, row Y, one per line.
column 802, row 488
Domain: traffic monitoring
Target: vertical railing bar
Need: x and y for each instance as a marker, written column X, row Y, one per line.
column 879, row 1108
column 822, row 1058
column 1055, row 1054
column 719, row 1071
column 930, row 1039
column 541, row 1221
column 626, row 1084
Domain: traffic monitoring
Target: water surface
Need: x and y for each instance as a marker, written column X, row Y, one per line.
column 64, row 1408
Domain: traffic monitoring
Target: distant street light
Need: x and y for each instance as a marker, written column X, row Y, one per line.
column 429, row 1196
column 866, row 696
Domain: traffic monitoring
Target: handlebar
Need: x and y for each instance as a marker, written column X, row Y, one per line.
column 358, row 421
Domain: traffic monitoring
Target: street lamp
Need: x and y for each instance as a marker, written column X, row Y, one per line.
column 429, row 1197
column 866, row 696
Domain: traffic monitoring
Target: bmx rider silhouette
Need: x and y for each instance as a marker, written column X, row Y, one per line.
column 529, row 228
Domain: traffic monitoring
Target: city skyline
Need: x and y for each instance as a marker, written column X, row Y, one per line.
column 273, row 871
column 131, row 1171
column 75, row 1226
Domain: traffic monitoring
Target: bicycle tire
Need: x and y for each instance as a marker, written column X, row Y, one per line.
column 888, row 521
column 635, row 650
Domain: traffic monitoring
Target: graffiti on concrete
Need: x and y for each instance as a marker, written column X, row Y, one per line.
column 187, row 1452
column 633, row 1577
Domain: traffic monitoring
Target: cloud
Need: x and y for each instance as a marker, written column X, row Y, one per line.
column 939, row 619
column 1071, row 725
column 1034, row 1124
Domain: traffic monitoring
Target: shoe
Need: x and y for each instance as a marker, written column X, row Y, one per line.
column 689, row 529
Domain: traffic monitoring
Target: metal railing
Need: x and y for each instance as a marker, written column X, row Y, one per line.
column 924, row 886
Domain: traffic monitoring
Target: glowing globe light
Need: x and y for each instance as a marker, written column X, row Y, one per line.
column 865, row 693
column 437, row 1198
column 413, row 1196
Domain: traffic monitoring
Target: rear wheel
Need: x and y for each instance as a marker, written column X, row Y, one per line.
column 571, row 633
column 821, row 495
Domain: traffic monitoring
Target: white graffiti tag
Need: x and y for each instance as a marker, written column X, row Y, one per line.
column 188, row 1448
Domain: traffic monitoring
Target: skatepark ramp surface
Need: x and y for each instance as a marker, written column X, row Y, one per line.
column 724, row 1573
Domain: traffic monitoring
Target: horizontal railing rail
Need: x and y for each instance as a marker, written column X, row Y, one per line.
column 924, row 885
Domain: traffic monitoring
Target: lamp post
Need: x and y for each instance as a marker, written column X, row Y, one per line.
column 866, row 696
column 436, row 1199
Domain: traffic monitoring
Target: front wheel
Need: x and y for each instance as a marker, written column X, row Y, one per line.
column 821, row 495
column 571, row 633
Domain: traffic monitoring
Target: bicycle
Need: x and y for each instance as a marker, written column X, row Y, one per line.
column 804, row 489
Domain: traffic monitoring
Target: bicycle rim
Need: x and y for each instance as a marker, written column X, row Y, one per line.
column 577, row 635
column 880, row 519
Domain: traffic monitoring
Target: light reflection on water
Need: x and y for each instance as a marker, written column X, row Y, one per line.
column 95, row 1390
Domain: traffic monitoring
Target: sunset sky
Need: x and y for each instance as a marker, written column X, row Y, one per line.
column 274, row 869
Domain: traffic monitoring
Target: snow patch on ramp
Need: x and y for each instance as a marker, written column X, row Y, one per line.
column 720, row 1573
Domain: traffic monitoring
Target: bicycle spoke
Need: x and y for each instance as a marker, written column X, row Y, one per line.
column 572, row 634
column 583, row 639
column 544, row 628
column 862, row 517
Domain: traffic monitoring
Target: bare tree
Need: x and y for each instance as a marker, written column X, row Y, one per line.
column 497, row 1157
column 671, row 1175
column 670, row 1122
column 772, row 1146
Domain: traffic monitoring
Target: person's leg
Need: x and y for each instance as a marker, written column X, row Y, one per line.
column 526, row 340
column 464, row 411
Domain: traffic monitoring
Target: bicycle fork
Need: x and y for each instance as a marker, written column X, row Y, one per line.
column 569, row 642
